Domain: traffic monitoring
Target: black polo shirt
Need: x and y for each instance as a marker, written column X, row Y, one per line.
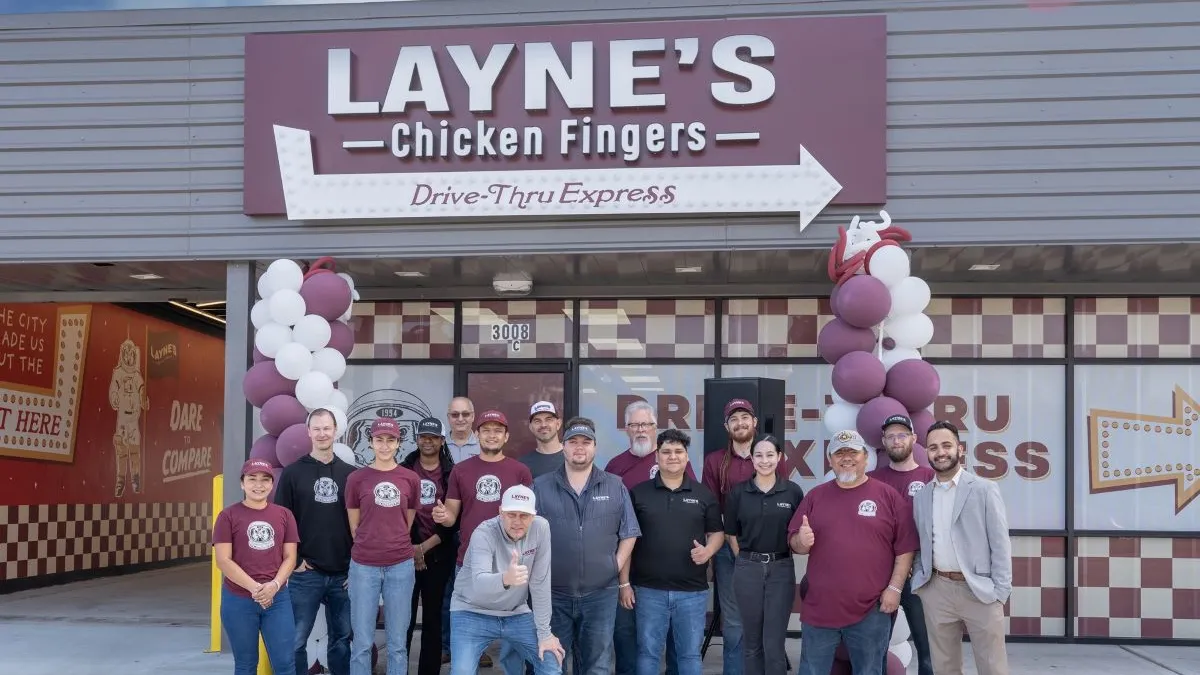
column 760, row 519
column 670, row 521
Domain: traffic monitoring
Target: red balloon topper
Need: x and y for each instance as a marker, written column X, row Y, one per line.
column 322, row 265
column 856, row 245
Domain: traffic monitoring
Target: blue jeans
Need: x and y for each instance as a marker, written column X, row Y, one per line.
column 244, row 620
column 446, row 600
column 731, row 619
column 681, row 612
column 866, row 641
column 395, row 583
column 625, row 643
column 310, row 589
column 472, row 632
column 584, row 625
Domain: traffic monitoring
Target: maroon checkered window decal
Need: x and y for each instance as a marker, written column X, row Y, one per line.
column 1131, row 587
column 1133, row 328
column 517, row 329
column 652, row 329
column 773, row 327
column 997, row 328
column 403, row 330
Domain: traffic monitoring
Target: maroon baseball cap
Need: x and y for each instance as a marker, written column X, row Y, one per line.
column 491, row 416
column 738, row 404
column 257, row 466
column 385, row 426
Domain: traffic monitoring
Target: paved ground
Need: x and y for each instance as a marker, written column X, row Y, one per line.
column 157, row 623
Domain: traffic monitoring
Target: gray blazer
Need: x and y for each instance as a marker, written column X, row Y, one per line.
column 980, row 530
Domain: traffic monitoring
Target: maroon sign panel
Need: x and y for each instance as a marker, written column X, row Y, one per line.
column 620, row 95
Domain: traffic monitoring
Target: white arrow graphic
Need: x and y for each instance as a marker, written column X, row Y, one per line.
column 805, row 188
column 1128, row 451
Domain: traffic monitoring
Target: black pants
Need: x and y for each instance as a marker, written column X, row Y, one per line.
column 430, row 589
column 765, row 592
column 914, row 613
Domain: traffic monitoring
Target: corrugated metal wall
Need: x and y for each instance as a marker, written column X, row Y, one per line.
column 120, row 132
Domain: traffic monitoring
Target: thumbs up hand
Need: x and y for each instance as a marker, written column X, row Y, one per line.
column 439, row 514
column 516, row 574
column 700, row 554
column 807, row 538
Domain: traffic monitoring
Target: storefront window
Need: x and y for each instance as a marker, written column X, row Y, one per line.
column 651, row 329
column 407, row 393
column 773, row 327
column 1137, row 587
column 517, row 329
column 403, row 330
column 676, row 392
column 1137, row 328
column 997, row 328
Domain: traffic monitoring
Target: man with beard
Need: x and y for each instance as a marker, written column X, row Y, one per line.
column 859, row 541
column 545, row 424
column 434, row 545
column 476, row 484
column 592, row 532
column 906, row 477
column 964, row 573
column 637, row 465
column 313, row 488
column 722, row 470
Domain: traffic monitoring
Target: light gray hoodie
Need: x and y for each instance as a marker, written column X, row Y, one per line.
column 479, row 586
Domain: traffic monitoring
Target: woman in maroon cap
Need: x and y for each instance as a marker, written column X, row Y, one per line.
column 255, row 543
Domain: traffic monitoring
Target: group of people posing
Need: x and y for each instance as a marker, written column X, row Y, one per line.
column 547, row 563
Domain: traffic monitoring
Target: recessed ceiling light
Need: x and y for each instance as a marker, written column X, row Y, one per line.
column 145, row 277
column 410, row 273
column 695, row 269
column 984, row 268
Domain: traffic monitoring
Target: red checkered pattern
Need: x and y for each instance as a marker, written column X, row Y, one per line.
column 1137, row 588
column 403, row 330
column 773, row 327
column 542, row 326
column 1006, row 328
column 652, row 329
column 1155, row 328
column 50, row 539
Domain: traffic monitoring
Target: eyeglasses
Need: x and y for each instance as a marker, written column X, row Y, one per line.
column 897, row 437
column 638, row 426
column 460, row 413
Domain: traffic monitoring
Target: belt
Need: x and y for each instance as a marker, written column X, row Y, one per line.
column 763, row 557
column 953, row 576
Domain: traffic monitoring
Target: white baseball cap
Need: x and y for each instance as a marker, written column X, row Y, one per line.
column 519, row 498
column 542, row 407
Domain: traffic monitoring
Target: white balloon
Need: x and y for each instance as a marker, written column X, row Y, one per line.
column 872, row 459
column 339, row 400
column 286, row 275
column 331, row 362
column 347, row 278
column 893, row 356
column 889, row 265
column 345, row 317
column 903, row 651
column 902, row 630
column 318, row 639
column 841, row 416
column 912, row 331
column 339, row 418
column 293, row 360
column 313, row 332
column 287, row 306
column 260, row 314
column 266, row 285
column 345, row 453
column 313, row 390
column 271, row 337
column 910, row 296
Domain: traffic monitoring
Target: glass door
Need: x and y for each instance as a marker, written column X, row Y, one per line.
column 513, row 389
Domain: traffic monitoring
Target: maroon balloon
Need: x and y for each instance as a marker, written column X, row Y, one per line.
column 889, row 344
column 293, row 444
column 259, row 357
column 913, row 382
column 894, row 665
column 838, row 338
column 922, row 420
column 833, row 299
column 858, row 377
column 281, row 412
column 863, row 301
column 872, row 415
column 264, row 449
column 341, row 338
column 263, row 381
column 921, row 455
column 326, row 295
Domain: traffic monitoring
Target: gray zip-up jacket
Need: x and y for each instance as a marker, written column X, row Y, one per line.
column 479, row 586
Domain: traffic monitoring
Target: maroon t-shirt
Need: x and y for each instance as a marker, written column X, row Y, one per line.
column 907, row 483
column 258, row 536
column 740, row 469
column 635, row 470
column 383, row 499
column 858, row 533
column 479, row 484
column 431, row 492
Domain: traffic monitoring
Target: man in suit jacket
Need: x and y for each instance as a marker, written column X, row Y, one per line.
column 964, row 572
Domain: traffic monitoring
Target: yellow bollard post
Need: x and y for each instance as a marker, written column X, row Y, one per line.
column 264, row 664
column 214, row 637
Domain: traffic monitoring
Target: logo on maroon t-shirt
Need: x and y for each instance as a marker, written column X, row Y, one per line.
column 387, row 494
column 487, row 489
column 915, row 487
column 261, row 535
column 428, row 492
column 867, row 508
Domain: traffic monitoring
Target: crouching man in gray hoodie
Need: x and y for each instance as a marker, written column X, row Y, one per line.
column 506, row 569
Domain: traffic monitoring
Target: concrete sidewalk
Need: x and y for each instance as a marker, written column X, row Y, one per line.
column 156, row 623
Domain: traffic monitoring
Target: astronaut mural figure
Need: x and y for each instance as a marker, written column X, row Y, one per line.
column 127, row 396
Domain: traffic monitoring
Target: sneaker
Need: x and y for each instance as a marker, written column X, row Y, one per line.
column 485, row 661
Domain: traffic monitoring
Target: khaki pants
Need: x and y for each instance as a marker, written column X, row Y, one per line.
column 948, row 606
